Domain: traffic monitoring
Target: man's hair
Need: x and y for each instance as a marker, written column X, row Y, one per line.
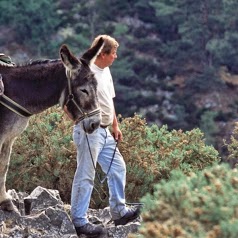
column 109, row 43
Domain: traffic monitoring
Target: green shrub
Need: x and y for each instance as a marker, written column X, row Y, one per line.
column 232, row 147
column 45, row 155
column 151, row 153
column 208, row 126
column 201, row 205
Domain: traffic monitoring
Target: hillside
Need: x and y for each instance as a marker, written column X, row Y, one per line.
column 171, row 59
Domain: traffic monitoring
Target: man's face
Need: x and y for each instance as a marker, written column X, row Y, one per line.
column 109, row 58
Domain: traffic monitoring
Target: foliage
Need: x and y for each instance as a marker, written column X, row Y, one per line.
column 232, row 147
column 158, row 40
column 201, row 205
column 34, row 23
column 151, row 153
column 45, row 155
column 204, row 81
column 208, row 126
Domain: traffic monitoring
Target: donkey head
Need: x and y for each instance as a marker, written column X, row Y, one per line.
column 79, row 99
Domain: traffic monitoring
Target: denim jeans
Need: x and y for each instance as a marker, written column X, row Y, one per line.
column 102, row 146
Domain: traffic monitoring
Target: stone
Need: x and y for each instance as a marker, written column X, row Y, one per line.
column 42, row 214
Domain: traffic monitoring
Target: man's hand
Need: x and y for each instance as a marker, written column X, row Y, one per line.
column 117, row 134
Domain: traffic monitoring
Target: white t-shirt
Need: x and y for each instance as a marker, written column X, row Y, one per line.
column 106, row 93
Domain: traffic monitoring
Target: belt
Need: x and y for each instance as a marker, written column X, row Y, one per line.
column 104, row 127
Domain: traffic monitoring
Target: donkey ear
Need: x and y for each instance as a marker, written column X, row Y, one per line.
column 90, row 55
column 68, row 59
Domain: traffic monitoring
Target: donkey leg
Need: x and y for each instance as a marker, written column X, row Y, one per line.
column 5, row 199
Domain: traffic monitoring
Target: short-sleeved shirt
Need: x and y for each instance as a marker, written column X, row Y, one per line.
column 106, row 93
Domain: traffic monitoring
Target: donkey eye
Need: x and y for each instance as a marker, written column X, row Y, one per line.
column 84, row 91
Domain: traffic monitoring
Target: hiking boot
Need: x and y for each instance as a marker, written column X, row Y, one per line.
column 90, row 230
column 131, row 215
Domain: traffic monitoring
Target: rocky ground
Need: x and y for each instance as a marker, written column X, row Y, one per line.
column 43, row 214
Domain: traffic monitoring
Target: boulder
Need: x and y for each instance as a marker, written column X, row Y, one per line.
column 43, row 214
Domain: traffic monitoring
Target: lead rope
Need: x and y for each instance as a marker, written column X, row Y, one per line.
column 101, row 181
column 113, row 155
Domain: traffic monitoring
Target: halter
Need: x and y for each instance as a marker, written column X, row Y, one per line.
column 71, row 98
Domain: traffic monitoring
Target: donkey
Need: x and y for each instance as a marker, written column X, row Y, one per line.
column 32, row 88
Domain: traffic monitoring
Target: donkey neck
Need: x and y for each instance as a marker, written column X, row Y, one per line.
column 36, row 86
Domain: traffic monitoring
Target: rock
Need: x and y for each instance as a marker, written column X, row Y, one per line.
column 43, row 214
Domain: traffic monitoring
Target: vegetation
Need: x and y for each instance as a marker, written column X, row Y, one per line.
column 151, row 153
column 195, row 205
column 232, row 147
column 169, row 71
column 159, row 41
column 184, row 190
column 33, row 23
column 45, row 155
column 200, row 205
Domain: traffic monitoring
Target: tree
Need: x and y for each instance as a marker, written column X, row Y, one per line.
column 34, row 22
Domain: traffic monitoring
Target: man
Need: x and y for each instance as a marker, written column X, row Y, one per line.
column 102, row 145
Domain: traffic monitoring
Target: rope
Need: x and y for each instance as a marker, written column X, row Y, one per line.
column 98, row 176
column 13, row 106
column 101, row 181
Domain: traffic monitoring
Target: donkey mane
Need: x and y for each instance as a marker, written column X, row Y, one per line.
column 34, row 62
column 41, row 61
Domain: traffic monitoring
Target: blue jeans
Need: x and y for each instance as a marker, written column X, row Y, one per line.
column 102, row 146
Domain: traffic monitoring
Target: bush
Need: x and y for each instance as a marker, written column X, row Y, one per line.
column 208, row 126
column 201, row 205
column 151, row 153
column 232, row 147
column 34, row 24
column 45, row 155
